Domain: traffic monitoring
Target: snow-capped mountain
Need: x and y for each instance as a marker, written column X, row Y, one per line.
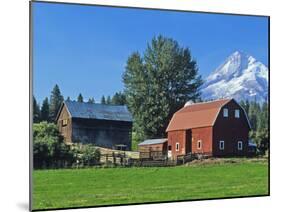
column 241, row 77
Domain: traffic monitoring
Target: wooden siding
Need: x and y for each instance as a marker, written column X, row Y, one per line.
column 205, row 135
column 153, row 147
column 230, row 130
column 174, row 137
column 66, row 131
column 101, row 133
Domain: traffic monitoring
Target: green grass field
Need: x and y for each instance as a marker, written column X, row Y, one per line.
column 105, row 186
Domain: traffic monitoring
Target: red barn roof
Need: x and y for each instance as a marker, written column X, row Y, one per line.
column 196, row 115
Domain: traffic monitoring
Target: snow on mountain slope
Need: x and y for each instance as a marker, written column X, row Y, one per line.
column 241, row 77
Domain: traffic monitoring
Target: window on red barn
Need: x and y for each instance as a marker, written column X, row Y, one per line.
column 221, row 145
column 199, row 144
column 240, row 145
column 177, row 147
column 225, row 112
column 237, row 113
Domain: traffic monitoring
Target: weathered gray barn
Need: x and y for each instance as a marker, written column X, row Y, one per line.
column 108, row 126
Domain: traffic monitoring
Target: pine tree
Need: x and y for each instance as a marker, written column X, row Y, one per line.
column 258, row 116
column 115, row 99
column 91, row 100
column 45, row 110
column 254, row 112
column 68, row 99
column 159, row 83
column 55, row 102
column 108, row 100
column 36, row 111
column 80, row 98
column 103, row 100
column 262, row 117
column 118, row 98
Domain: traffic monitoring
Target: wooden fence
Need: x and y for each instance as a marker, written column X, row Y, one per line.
column 153, row 155
column 182, row 159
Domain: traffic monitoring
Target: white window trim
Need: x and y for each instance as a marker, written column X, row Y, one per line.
column 225, row 112
column 238, row 146
column 177, row 147
column 199, row 142
column 237, row 113
column 221, row 142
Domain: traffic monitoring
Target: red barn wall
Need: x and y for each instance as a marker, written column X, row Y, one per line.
column 205, row 134
column 178, row 136
column 230, row 130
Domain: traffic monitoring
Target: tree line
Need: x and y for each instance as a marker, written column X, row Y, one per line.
column 258, row 117
column 49, row 108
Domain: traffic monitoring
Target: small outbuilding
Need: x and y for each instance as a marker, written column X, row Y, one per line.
column 153, row 148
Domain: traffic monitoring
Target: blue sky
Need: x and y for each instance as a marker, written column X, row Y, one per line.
column 85, row 48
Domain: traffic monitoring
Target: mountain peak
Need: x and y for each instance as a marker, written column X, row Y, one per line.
column 240, row 76
column 238, row 54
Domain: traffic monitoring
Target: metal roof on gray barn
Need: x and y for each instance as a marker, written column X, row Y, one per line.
column 98, row 111
column 153, row 141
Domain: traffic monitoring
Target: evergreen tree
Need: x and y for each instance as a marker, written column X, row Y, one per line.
column 159, row 83
column 118, row 98
column 254, row 110
column 45, row 110
column 258, row 117
column 115, row 99
column 36, row 111
column 68, row 99
column 103, row 100
column 91, row 100
column 108, row 100
column 80, row 98
column 263, row 117
column 55, row 102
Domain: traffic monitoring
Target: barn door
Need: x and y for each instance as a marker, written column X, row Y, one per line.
column 188, row 142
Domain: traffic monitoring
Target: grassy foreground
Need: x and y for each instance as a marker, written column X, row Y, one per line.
column 105, row 186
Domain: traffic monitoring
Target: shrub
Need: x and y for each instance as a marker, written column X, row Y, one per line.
column 89, row 155
column 49, row 150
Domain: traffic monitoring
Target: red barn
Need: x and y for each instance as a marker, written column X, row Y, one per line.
column 217, row 128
